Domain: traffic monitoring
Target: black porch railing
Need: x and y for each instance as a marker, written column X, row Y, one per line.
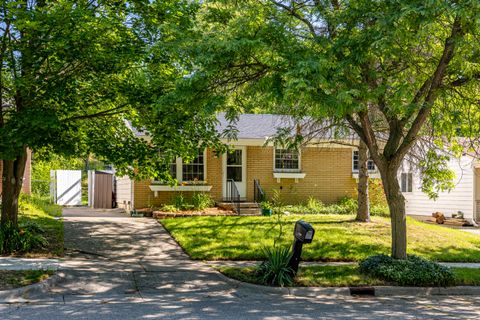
column 233, row 195
column 258, row 193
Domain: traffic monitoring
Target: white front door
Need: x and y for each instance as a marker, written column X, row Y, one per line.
column 235, row 168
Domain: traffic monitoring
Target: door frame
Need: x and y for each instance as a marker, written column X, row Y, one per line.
column 242, row 187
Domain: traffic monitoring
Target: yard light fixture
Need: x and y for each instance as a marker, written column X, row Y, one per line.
column 303, row 233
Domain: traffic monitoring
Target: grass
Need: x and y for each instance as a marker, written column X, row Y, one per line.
column 467, row 276
column 337, row 238
column 48, row 216
column 312, row 276
column 340, row 276
column 13, row 279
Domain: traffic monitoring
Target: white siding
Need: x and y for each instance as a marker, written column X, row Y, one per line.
column 461, row 198
column 124, row 192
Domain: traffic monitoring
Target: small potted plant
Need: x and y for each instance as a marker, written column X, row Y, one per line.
column 267, row 208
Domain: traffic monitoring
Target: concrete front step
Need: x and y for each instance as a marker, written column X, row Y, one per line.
column 246, row 208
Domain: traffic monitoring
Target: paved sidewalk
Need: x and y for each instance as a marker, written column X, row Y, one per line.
column 228, row 263
column 11, row 263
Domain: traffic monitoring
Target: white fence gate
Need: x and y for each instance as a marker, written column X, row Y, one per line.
column 66, row 187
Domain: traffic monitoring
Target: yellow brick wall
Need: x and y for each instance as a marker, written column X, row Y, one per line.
column 328, row 174
column 328, row 177
column 214, row 175
column 144, row 197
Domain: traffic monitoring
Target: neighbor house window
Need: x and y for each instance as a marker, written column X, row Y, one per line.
column 195, row 170
column 287, row 160
column 406, row 181
column 356, row 163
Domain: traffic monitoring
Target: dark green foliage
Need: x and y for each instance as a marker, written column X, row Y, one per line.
column 179, row 201
column 21, row 239
column 199, row 201
column 414, row 271
column 275, row 270
column 202, row 201
column 350, row 205
column 345, row 205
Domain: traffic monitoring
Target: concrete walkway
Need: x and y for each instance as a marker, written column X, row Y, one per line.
column 11, row 263
column 130, row 268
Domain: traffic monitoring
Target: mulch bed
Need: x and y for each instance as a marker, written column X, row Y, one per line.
column 193, row 213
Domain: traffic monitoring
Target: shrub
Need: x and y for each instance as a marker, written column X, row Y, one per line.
column 275, row 270
column 169, row 208
column 265, row 205
column 314, row 205
column 179, row 201
column 20, row 239
column 379, row 210
column 349, row 205
column 345, row 205
column 414, row 271
column 202, row 201
column 376, row 194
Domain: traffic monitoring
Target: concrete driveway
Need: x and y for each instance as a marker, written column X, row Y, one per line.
column 119, row 267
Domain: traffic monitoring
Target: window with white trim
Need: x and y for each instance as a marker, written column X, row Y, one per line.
column 287, row 160
column 356, row 163
column 189, row 172
column 194, row 170
column 406, row 181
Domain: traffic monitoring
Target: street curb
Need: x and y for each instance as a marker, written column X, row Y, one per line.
column 23, row 293
column 288, row 291
column 379, row 291
column 427, row 291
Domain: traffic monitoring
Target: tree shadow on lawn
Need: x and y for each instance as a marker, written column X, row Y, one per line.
column 230, row 224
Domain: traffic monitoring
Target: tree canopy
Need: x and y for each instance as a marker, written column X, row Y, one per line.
column 394, row 71
column 73, row 73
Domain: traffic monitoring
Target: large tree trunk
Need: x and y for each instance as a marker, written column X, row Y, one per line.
column 363, row 211
column 12, row 177
column 396, row 204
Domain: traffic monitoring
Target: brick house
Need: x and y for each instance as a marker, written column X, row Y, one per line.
column 27, row 185
column 324, row 171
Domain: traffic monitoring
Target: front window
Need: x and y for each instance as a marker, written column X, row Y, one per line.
column 356, row 163
column 406, row 181
column 287, row 160
column 194, row 171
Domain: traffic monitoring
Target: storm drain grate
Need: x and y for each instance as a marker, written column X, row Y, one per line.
column 362, row 291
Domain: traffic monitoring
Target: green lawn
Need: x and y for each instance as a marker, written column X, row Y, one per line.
column 340, row 276
column 48, row 217
column 337, row 238
column 467, row 276
column 13, row 279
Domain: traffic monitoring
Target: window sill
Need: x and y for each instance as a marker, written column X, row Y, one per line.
column 159, row 188
column 371, row 174
column 289, row 175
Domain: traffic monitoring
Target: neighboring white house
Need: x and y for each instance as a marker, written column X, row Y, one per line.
column 465, row 197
